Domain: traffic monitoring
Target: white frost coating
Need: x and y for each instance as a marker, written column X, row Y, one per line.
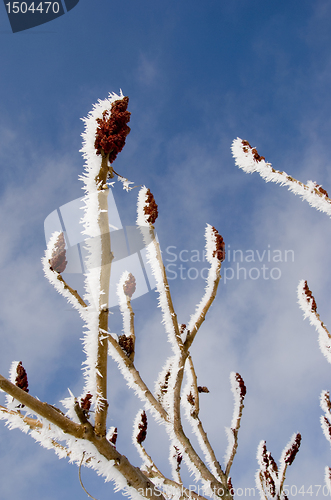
column 238, row 400
column 309, row 192
column 12, row 403
column 141, row 202
column 69, row 405
column 231, row 442
column 126, row 183
column 324, row 402
column 263, row 467
column 324, row 338
column 64, row 445
column 213, row 274
column 327, row 478
column 122, row 301
column 326, row 427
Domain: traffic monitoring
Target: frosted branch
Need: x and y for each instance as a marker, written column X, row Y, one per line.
column 55, row 278
column 190, row 402
column 248, row 159
column 215, row 254
column 325, row 420
column 308, row 305
column 125, row 289
column 146, row 216
column 239, row 392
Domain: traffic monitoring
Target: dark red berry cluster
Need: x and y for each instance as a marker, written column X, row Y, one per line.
column 112, row 130
column 150, row 208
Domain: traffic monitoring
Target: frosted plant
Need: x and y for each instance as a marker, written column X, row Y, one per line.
column 248, row 159
column 81, row 431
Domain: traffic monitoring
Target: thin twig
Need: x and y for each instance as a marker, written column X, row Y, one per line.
column 73, row 292
column 80, row 478
column 203, row 435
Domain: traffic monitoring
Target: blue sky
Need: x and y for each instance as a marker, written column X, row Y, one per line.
column 198, row 74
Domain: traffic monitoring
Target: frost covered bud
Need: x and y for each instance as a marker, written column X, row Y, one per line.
column 58, row 261
column 219, row 251
column 21, row 379
column 129, row 286
column 112, row 130
column 150, row 208
column 310, row 297
column 142, row 428
column 247, row 147
column 293, row 450
column 85, row 404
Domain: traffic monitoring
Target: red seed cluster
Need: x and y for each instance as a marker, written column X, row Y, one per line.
column 126, row 343
column 310, row 297
column 242, row 386
column 190, row 399
column 150, row 208
column 327, row 400
column 269, row 465
column 291, row 452
column 268, row 460
column 142, row 428
column 58, row 261
column 129, row 286
column 202, row 388
column 113, row 438
column 179, row 457
column 219, row 252
column 230, row 486
column 164, row 387
column 322, row 191
column 112, row 130
column 21, row 379
column 85, row 404
column 256, row 156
